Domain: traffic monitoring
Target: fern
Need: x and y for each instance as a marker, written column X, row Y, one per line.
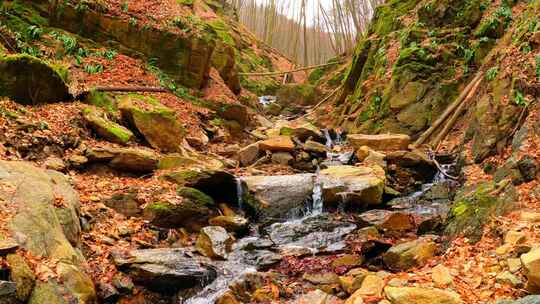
column 492, row 73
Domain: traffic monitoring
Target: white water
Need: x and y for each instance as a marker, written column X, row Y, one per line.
column 317, row 197
column 240, row 193
column 329, row 142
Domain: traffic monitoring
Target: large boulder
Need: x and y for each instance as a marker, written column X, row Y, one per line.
column 277, row 144
column 275, row 197
column 106, row 128
column 362, row 185
column 531, row 267
column 404, row 256
column 22, row 275
column 156, row 122
column 164, row 270
column 214, row 242
column 302, row 131
column 29, row 80
column 191, row 209
column 380, row 142
column 417, row 295
column 46, row 223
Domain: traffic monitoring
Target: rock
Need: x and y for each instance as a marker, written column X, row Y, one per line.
column 77, row 161
column 22, row 275
column 350, row 283
column 107, row 292
column 318, row 297
column 7, row 289
column 362, row 153
column 214, row 242
column 506, row 277
column 529, row 168
column 261, row 258
column 381, row 142
column 348, row 261
column 165, row 269
column 219, row 184
column 360, row 185
column 54, row 163
column 385, row 220
column 122, row 283
column 125, row 203
column 531, row 269
column 29, row 80
column 46, row 228
column 295, row 251
column 136, row 160
column 327, row 278
column 513, row 237
column 7, row 246
column 106, row 128
column 230, row 223
column 277, row 144
column 192, row 211
column 297, row 95
column 372, row 285
column 274, row 197
column 534, row 299
column 198, row 139
column 409, row 254
column 157, row 123
column 417, row 295
column 315, row 147
column 514, row 264
column 441, row 275
column 282, row 158
column 302, row 131
column 532, row 217
column 249, row 154
column 227, row 298
column 397, row 282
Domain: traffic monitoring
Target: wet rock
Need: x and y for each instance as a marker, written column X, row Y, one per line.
column 441, row 275
column 214, row 242
column 320, row 233
column 407, row 295
column 360, row 185
column 230, row 223
column 249, row 154
column 318, row 297
column 315, row 147
column 408, row 168
column 410, row 254
column 386, row 220
column 244, row 286
column 531, row 269
column 22, row 275
column 54, row 163
column 261, row 258
column 275, row 197
column 191, row 211
column 125, row 203
column 381, row 142
column 302, row 131
column 29, row 80
column 253, row 243
column 295, row 251
column 164, row 270
column 48, row 229
column 218, row 184
column 156, row 122
column 106, row 128
column 277, row 144
column 282, row 158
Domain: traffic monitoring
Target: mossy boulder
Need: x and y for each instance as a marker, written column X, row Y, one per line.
column 192, row 210
column 22, row 275
column 404, row 256
column 106, row 128
column 297, row 95
column 29, row 80
column 157, row 123
column 475, row 205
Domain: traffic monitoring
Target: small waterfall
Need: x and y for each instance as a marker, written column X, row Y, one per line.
column 240, row 193
column 317, row 196
column 329, row 142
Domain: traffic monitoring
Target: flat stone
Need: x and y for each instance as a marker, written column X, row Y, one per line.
column 372, row 285
column 513, row 237
column 380, row 142
column 249, row 154
column 409, row 254
column 317, row 297
column 506, row 277
column 7, row 246
column 441, row 275
column 214, row 242
column 315, row 147
column 296, row 251
column 321, row 278
column 348, row 260
column 282, row 158
column 387, row 220
column 277, row 144
column 531, row 268
column 417, row 295
column 514, row 264
column 230, row 223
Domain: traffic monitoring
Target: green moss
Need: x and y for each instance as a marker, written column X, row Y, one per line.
column 102, row 100
column 196, row 196
column 222, row 31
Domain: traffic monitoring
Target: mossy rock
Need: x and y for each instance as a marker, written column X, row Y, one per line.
column 474, row 206
column 106, row 128
column 29, row 80
column 22, row 275
column 450, row 12
column 297, row 95
column 196, row 196
column 154, row 121
column 101, row 100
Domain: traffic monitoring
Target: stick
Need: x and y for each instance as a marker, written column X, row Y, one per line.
column 448, row 111
column 290, row 71
column 456, row 114
column 130, row 89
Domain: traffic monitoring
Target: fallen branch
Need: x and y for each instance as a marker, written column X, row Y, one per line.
column 84, row 94
column 450, row 124
column 448, row 111
column 291, row 71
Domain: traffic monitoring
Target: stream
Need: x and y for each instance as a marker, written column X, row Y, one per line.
column 313, row 232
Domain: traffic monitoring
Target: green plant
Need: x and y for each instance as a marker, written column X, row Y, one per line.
column 538, row 66
column 81, row 7
column 93, row 68
column 492, row 73
column 32, row 51
column 125, row 6
column 70, row 43
column 468, row 55
column 133, row 22
column 519, row 99
column 107, row 54
column 33, row 32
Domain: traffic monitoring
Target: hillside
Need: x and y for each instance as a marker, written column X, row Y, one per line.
column 153, row 152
